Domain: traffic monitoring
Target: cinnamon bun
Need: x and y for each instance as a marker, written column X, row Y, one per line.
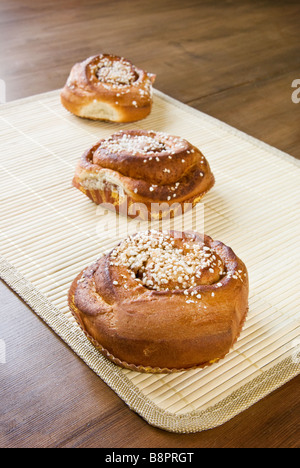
column 107, row 87
column 144, row 174
column 163, row 301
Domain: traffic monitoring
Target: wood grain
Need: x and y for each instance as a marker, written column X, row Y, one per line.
column 233, row 60
column 50, row 398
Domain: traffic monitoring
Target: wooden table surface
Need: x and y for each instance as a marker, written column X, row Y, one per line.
column 235, row 60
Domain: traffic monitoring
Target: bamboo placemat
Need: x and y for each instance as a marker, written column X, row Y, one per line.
column 49, row 232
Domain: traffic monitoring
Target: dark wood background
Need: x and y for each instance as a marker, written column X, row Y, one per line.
column 235, row 60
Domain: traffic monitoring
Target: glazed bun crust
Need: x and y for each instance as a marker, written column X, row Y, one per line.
column 163, row 302
column 145, row 173
column 108, row 87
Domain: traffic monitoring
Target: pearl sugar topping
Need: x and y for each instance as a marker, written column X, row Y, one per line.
column 115, row 72
column 161, row 262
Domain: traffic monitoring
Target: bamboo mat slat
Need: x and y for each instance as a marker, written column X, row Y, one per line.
column 49, row 232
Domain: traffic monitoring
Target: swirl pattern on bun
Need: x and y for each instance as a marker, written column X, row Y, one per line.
column 144, row 174
column 163, row 301
column 108, row 87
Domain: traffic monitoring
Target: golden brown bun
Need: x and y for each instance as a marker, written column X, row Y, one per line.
column 163, row 301
column 144, row 174
column 107, row 87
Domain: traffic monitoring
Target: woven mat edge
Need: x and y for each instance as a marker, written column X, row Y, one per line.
column 229, row 129
column 196, row 421
column 113, row 376
column 212, row 120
